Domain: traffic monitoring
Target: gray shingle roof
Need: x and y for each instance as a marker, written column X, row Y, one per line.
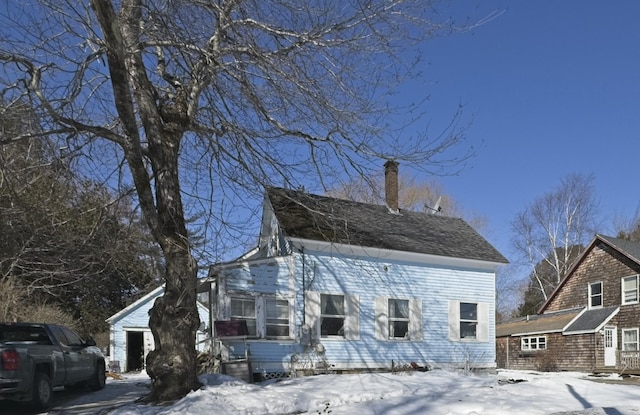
column 537, row 323
column 629, row 248
column 307, row 216
column 591, row 320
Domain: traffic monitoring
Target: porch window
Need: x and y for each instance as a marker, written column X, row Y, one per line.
column 595, row 295
column 528, row 344
column 630, row 339
column 332, row 315
column 630, row 289
column 277, row 317
column 398, row 319
column 244, row 308
column 468, row 320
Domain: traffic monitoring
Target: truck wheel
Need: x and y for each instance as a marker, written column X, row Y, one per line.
column 99, row 377
column 41, row 391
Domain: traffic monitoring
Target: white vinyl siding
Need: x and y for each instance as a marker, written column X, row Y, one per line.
column 384, row 319
column 314, row 314
column 462, row 318
column 630, row 290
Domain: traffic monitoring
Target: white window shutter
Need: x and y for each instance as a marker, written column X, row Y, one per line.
column 292, row 317
column 415, row 320
column 352, row 319
column 483, row 322
column 312, row 313
column 261, row 317
column 382, row 318
column 454, row 320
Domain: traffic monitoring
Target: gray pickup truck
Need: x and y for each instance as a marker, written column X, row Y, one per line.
column 35, row 358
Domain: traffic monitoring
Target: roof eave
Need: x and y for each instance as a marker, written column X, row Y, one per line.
column 357, row 250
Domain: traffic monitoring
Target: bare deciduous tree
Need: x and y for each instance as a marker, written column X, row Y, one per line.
column 171, row 95
column 553, row 230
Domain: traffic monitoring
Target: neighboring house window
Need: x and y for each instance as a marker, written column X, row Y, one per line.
column 277, row 317
column 332, row 316
column 630, row 289
column 528, row 344
column 468, row 321
column 630, row 339
column 398, row 319
column 595, row 295
column 244, row 308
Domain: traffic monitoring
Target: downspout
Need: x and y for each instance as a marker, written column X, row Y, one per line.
column 304, row 296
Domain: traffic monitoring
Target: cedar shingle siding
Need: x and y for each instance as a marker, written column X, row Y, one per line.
column 574, row 331
column 603, row 264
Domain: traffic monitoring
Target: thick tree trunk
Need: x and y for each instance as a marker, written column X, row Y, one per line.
column 174, row 320
column 174, row 317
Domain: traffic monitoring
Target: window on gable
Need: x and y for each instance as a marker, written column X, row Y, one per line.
column 244, row 308
column 277, row 317
column 528, row 344
column 630, row 339
column 630, row 289
column 332, row 315
column 595, row 295
column 468, row 320
column 398, row 319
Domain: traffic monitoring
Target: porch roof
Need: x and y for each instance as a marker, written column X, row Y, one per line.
column 592, row 320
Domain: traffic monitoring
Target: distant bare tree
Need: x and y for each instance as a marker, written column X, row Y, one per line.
column 552, row 231
column 628, row 227
column 190, row 101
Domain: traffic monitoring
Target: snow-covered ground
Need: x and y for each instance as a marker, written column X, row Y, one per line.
column 406, row 393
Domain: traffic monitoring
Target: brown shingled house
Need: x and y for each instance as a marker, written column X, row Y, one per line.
column 589, row 323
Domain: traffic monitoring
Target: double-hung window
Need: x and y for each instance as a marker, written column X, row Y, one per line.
column 244, row 308
column 398, row 319
column 277, row 317
column 468, row 321
column 332, row 315
column 630, row 339
column 267, row 316
column 630, row 290
column 528, row 344
column 595, row 295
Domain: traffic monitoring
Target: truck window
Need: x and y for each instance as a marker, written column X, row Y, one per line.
column 74, row 339
column 24, row 334
column 66, row 337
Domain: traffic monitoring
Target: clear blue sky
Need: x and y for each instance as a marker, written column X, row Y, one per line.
column 554, row 88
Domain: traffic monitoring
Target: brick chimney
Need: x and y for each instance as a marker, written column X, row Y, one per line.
column 391, row 184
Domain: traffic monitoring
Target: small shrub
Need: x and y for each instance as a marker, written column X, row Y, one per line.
column 546, row 362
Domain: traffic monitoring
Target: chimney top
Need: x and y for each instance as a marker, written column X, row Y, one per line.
column 391, row 184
